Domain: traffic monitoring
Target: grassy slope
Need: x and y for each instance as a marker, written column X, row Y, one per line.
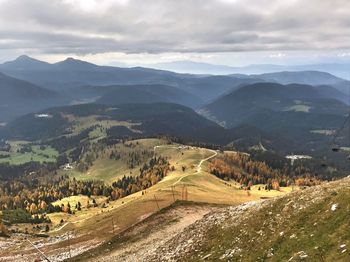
column 283, row 229
column 110, row 170
column 81, row 123
column 103, row 169
column 48, row 154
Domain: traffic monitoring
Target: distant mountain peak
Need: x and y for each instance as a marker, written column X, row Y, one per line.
column 73, row 63
column 28, row 59
column 24, row 58
column 72, row 59
column 24, row 62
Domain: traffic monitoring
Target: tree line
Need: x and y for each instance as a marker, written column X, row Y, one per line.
column 243, row 169
column 34, row 194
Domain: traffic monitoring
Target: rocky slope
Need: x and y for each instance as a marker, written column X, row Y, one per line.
column 311, row 225
column 144, row 239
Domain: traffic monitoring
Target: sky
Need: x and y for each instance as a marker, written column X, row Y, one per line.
column 229, row 32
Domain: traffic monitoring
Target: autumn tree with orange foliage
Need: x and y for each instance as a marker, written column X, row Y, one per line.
column 246, row 171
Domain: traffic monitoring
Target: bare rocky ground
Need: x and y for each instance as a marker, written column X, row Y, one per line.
column 134, row 244
column 144, row 239
column 17, row 248
column 190, row 239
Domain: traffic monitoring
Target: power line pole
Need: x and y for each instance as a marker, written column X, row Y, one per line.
column 113, row 225
column 172, row 190
column 156, row 201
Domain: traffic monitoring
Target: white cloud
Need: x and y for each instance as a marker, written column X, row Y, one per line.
column 178, row 27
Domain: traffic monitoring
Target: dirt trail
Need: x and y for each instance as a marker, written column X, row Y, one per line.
column 199, row 166
column 144, row 239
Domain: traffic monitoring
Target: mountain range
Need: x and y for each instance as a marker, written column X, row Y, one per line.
column 341, row 70
column 273, row 108
column 72, row 73
column 126, row 94
column 236, row 107
column 293, row 112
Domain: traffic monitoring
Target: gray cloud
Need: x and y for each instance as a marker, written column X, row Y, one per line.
column 156, row 26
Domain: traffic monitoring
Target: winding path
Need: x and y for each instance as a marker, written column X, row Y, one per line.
column 199, row 166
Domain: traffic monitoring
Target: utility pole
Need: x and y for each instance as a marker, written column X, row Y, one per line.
column 156, row 201
column 113, row 225
column 172, row 190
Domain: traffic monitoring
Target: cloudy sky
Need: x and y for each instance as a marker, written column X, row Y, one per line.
column 232, row 32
